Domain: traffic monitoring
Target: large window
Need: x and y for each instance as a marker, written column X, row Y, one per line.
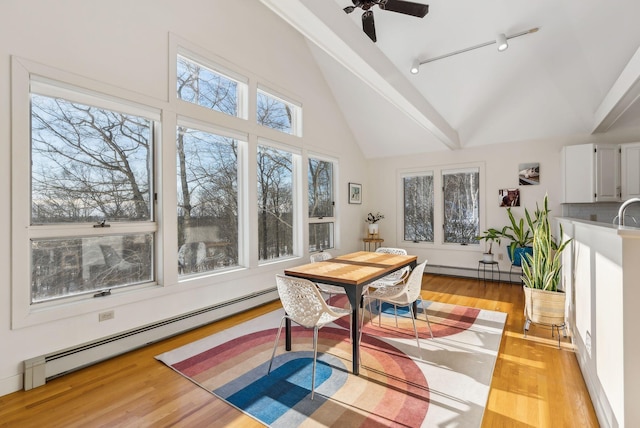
column 321, row 204
column 418, row 207
column 455, row 193
column 276, row 202
column 276, row 113
column 201, row 85
column 207, row 201
column 461, row 191
column 92, row 175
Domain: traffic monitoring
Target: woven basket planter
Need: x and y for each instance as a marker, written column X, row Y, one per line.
column 544, row 307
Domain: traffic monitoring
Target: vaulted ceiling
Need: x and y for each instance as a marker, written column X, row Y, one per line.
column 575, row 76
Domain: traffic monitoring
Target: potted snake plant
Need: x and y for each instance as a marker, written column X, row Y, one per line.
column 544, row 302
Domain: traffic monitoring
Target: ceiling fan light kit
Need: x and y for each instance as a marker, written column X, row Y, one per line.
column 400, row 6
column 501, row 41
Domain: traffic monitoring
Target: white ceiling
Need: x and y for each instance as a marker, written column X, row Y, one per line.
column 561, row 81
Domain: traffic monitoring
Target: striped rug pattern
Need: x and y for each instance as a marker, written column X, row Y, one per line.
column 448, row 387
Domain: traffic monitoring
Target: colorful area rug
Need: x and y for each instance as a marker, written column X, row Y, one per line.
column 449, row 387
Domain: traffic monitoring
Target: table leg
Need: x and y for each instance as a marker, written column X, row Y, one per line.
column 355, row 298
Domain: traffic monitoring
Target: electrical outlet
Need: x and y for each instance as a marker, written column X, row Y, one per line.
column 104, row 316
column 500, row 256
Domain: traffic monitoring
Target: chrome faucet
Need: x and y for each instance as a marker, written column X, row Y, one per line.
column 623, row 208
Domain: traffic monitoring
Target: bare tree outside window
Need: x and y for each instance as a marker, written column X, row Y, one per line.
column 200, row 85
column 321, row 204
column 274, row 113
column 89, row 164
column 461, row 206
column 418, row 208
column 275, row 203
column 207, row 201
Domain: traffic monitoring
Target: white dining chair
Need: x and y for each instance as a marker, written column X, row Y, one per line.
column 327, row 289
column 400, row 295
column 304, row 305
column 396, row 277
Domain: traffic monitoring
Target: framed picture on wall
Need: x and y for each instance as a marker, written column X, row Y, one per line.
column 355, row 193
column 529, row 173
column 509, row 197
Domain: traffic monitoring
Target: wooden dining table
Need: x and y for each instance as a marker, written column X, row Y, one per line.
column 353, row 272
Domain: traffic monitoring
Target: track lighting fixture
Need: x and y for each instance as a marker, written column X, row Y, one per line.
column 501, row 41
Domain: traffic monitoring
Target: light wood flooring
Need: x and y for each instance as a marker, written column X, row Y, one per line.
column 534, row 384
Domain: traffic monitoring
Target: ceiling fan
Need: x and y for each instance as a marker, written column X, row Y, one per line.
column 400, row 6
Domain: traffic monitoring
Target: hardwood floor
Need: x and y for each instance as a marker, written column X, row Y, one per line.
column 534, row 384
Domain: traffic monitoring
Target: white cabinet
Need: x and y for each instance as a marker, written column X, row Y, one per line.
column 591, row 173
column 630, row 170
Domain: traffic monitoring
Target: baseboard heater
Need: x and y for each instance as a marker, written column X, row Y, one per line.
column 505, row 276
column 46, row 367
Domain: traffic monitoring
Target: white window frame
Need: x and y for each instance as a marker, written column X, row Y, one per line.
column 243, row 215
column 297, row 195
column 331, row 219
column 296, row 109
column 28, row 77
column 438, row 214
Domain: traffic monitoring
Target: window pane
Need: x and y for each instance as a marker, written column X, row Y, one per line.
column 320, row 188
column 88, row 163
column 71, row 266
column 275, row 203
column 200, row 85
column 461, row 209
column 274, row 113
column 418, row 208
column 320, row 236
column 207, row 201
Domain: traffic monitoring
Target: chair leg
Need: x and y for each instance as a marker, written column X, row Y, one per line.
column 275, row 345
column 395, row 311
column 428, row 323
column 315, row 356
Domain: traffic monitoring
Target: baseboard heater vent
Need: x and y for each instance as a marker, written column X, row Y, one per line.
column 46, row 367
column 505, row 276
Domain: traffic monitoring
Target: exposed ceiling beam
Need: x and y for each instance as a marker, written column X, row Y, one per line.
column 325, row 25
column 624, row 92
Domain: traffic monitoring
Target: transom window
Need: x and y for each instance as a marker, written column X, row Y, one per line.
column 208, row 88
column 276, row 113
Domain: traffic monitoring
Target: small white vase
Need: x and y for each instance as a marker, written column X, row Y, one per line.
column 373, row 229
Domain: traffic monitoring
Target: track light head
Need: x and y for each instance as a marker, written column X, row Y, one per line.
column 415, row 67
column 501, row 41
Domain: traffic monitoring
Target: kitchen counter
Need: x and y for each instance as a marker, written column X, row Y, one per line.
column 601, row 275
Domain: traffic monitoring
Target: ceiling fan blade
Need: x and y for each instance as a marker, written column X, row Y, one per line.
column 406, row 7
column 349, row 9
column 368, row 26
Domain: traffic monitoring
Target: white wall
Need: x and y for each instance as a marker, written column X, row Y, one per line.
column 125, row 44
column 500, row 165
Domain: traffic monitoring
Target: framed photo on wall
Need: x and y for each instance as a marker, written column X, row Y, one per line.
column 355, row 193
column 529, row 173
column 509, row 197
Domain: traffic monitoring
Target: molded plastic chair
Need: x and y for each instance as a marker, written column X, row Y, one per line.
column 304, row 305
column 396, row 277
column 401, row 295
column 326, row 288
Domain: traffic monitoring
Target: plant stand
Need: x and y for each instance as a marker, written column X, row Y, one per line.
column 545, row 308
column 483, row 264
